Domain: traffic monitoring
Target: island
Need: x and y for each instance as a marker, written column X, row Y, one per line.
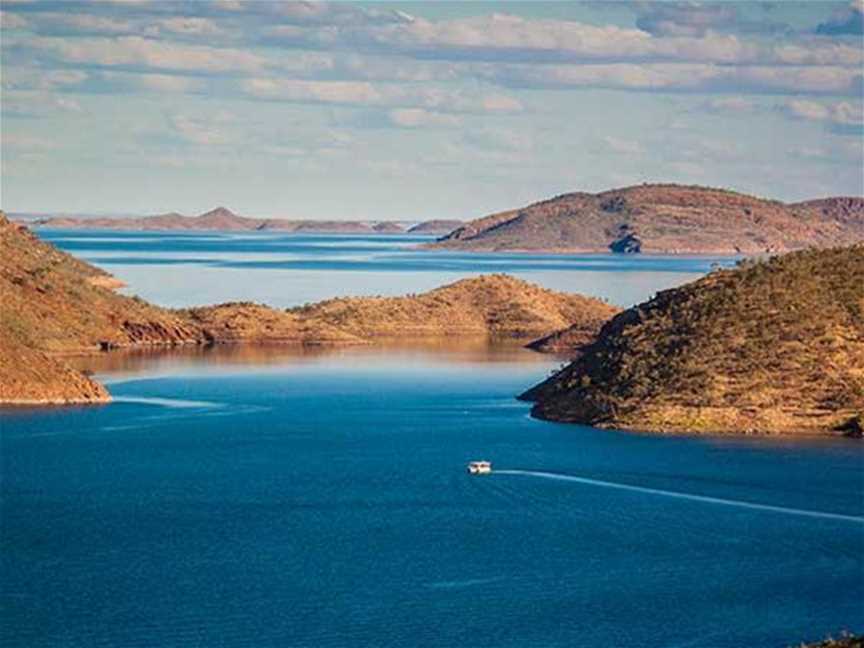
column 663, row 219
column 53, row 305
column 770, row 347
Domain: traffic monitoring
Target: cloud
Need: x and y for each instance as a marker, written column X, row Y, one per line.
column 135, row 52
column 686, row 18
column 690, row 77
column 728, row 105
column 843, row 117
column 848, row 21
column 366, row 94
column 420, row 118
column 509, row 38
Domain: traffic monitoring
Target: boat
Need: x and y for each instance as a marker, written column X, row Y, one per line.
column 479, row 467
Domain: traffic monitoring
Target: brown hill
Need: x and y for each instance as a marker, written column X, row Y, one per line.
column 769, row 347
column 669, row 219
column 496, row 306
column 53, row 304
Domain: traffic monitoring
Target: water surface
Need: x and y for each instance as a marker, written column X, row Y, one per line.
column 184, row 269
column 322, row 500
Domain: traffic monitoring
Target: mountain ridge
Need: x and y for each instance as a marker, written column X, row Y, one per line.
column 663, row 219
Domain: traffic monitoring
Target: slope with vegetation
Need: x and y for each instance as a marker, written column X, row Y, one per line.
column 669, row 219
column 772, row 346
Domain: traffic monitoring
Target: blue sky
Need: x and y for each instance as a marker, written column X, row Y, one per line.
column 420, row 110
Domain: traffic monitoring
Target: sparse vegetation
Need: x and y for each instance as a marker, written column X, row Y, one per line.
column 665, row 218
column 771, row 346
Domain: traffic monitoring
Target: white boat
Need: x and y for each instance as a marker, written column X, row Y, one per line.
column 479, row 467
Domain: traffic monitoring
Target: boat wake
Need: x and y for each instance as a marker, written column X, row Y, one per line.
column 173, row 403
column 707, row 499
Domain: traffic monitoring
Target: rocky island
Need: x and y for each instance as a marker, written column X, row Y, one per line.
column 664, row 219
column 52, row 304
column 769, row 347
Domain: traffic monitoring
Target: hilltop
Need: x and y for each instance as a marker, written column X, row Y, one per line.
column 497, row 306
column 52, row 304
column 667, row 219
column 223, row 219
column 772, row 346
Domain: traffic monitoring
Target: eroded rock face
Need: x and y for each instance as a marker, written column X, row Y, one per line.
column 665, row 219
column 768, row 348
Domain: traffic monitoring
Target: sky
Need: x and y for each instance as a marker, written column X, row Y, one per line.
column 417, row 110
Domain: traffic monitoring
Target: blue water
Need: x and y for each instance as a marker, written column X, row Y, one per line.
column 247, row 496
column 183, row 269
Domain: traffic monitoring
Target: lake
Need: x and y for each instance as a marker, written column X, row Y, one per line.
column 257, row 496
column 184, row 269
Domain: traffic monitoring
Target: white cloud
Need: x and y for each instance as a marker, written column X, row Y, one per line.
column 842, row 113
column 364, row 93
column 144, row 53
column 681, row 77
column 420, row 118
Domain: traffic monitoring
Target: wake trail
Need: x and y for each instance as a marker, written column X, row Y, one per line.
column 824, row 515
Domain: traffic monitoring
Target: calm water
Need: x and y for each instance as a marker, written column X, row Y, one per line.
column 183, row 269
column 253, row 496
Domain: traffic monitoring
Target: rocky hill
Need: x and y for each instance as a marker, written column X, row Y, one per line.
column 223, row 219
column 52, row 304
column 669, row 219
column 496, row 306
column 770, row 347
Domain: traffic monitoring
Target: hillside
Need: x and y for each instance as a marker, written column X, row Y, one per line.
column 497, row 306
column 223, row 219
column 668, row 219
column 769, row 347
column 52, row 304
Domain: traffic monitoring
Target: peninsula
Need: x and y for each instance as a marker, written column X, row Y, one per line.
column 769, row 347
column 664, row 219
column 52, row 304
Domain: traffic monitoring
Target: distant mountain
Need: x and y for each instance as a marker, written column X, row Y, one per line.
column 770, row 347
column 438, row 226
column 223, row 219
column 664, row 219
